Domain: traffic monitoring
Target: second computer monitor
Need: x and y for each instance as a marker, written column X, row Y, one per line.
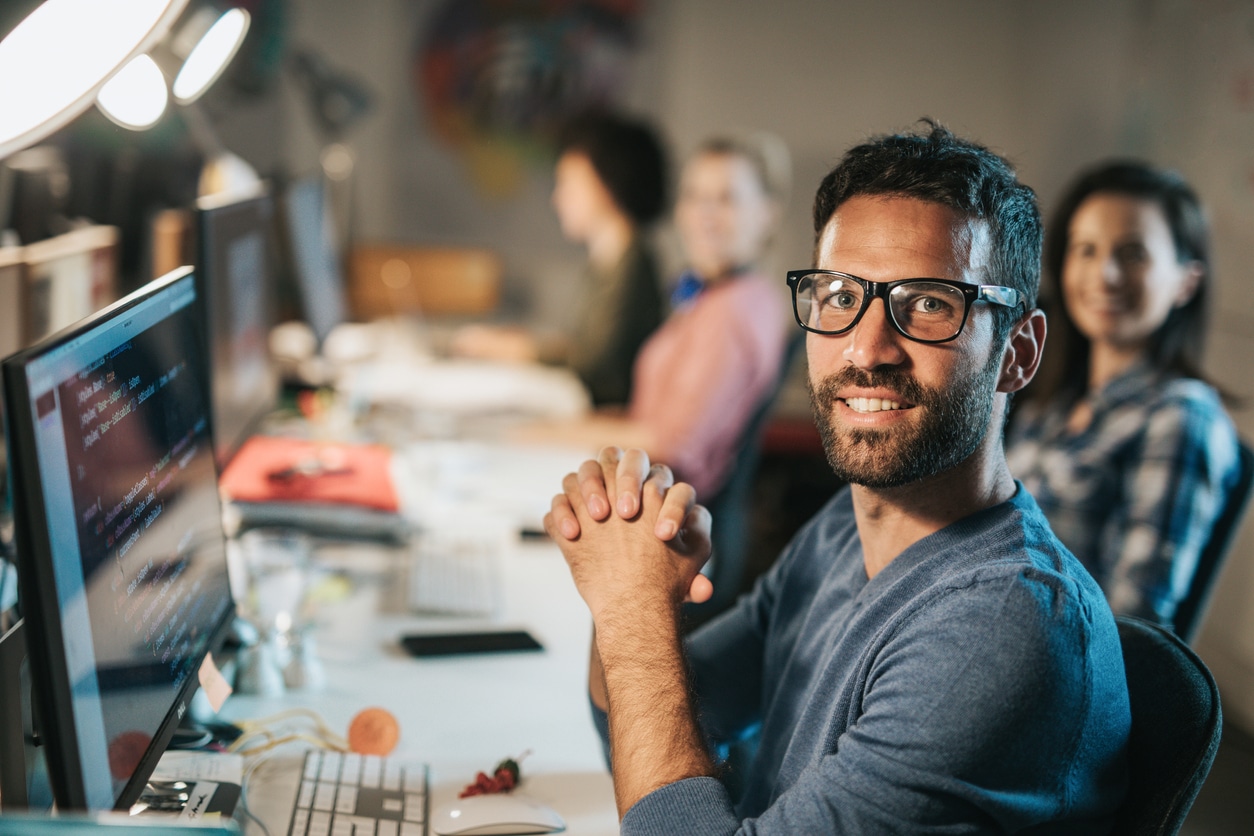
column 235, row 271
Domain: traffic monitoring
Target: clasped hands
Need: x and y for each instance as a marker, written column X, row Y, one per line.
column 646, row 549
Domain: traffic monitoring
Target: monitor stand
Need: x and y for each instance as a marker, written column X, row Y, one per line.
column 24, row 782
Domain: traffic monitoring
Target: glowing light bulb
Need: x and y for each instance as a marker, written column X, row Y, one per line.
column 210, row 56
column 136, row 97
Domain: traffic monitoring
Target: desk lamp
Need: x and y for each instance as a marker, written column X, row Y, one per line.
column 199, row 48
column 43, row 89
column 196, row 53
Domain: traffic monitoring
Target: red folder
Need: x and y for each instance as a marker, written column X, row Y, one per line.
column 277, row 469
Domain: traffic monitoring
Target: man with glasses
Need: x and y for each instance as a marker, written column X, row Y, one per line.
column 925, row 656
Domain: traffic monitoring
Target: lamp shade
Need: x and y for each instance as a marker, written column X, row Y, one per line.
column 57, row 59
column 136, row 96
column 210, row 55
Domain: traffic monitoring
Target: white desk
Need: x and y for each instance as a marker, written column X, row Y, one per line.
column 460, row 714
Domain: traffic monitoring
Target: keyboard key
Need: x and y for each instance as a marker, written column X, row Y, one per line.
column 387, row 828
column 391, row 775
column 409, row 828
column 413, row 808
column 415, row 778
column 346, row 801
column 312, row 761
column 300, row 820
column 351, row 771
column 324, row 796
column 371, row 767
column 330, row 767
column 305, row 798
column 320, row 824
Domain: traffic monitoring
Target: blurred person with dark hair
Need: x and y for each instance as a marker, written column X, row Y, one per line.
column 610, row 187
column 702, row 375
column 1125, row 445
column 925, row 657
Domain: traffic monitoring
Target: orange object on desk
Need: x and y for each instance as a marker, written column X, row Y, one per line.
column 277, row 469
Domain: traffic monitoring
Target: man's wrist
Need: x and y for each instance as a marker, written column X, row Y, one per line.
column 631, row 630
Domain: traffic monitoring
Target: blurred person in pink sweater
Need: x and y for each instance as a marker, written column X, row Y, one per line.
column 702, row 375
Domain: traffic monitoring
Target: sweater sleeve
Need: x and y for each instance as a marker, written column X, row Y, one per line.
column 984, row 712
column 1175, row 489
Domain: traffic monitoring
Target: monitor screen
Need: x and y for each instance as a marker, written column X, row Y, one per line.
column 121, row 554
column 315, row 255
column 234, row 271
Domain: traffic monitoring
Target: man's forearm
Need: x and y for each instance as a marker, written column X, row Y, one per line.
column 654, row 736
column 596, row 677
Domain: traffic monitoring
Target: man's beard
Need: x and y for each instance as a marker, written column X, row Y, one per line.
column 955, row 420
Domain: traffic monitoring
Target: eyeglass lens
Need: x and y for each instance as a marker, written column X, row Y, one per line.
column 922, row 309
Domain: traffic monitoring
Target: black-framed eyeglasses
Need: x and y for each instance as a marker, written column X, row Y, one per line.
column 924, row 310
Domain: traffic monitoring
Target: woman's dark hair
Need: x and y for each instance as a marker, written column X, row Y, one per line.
column 628, row 157
column 1176, row 347
column 935, row 166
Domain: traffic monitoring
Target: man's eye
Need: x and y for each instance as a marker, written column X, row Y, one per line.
column 929, row 305
column 842, row 300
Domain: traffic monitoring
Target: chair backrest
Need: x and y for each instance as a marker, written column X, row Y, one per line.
column 1176, row 725
column 1188, row 617
column 729, row 508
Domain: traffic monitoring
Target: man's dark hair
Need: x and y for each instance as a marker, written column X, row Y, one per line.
column 628, row 157
column 1177, row 346
column 938, row 167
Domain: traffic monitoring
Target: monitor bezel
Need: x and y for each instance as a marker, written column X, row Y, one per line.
column 41, row 609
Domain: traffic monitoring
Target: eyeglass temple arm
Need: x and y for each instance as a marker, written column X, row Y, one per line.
column 998, row 295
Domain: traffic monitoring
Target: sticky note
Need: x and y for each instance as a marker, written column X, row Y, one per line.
column 217, row 689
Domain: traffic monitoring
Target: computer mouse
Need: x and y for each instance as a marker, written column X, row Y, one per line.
column 484, row 815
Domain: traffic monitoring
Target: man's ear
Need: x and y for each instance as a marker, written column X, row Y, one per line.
column 1023, row 352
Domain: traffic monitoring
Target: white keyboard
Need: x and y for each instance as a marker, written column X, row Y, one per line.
column 456, row 570
column 360, row 795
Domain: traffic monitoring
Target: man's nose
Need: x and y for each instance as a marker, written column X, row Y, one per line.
column 874, row 341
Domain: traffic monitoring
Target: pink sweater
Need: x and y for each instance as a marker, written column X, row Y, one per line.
column 700, row 377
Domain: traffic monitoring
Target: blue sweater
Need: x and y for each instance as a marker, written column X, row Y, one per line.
column 975, row 684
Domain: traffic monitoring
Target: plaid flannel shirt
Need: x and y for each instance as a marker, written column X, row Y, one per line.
column 1136, row 493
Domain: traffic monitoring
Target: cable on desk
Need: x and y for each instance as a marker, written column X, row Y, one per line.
column 242, row 806
column 251, row 730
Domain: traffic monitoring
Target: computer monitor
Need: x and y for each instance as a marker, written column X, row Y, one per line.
column 235, row 276
column 315, row 257
column 121, row 555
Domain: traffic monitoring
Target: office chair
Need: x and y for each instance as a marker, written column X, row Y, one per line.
column 1176, row 725
column 1188, row 617
column 730, row 507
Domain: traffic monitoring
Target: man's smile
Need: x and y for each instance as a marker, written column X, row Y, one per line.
column 872, row 404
